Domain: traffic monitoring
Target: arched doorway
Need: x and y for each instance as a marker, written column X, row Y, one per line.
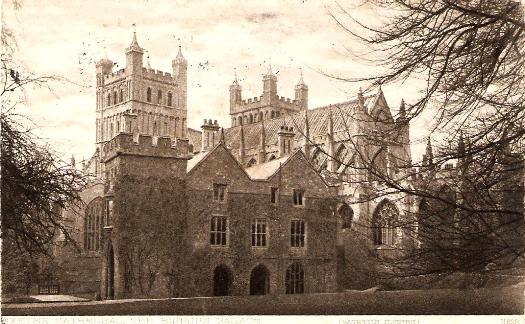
column 346, row 214
column 260, row 280
column 110, row 273
column 222, row 280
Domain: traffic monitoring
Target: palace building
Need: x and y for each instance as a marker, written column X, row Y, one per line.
column 265, row 206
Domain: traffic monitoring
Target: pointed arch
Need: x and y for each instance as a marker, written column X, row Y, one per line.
column 93, row 223
column 340, row 157
column 385, row 223
column 272, row 157
column 222, row 280
column 260, row 280
column 319, row 160
column 346, row 214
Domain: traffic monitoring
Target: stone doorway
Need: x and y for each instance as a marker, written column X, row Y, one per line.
column 260, row 281
column 222, row 280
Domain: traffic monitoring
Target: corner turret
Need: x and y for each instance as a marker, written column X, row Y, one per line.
column 180, row 73
column 301, row 93
column 134, row 55
column 235, row 93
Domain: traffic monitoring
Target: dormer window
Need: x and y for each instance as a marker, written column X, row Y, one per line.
column 298, row 197
column 219, row 192
column 148, row 95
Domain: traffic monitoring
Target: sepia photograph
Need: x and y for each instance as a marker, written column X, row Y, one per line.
column 185, row 159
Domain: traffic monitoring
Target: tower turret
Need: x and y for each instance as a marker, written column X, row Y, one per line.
column 301, row 92
column 134, row 54
column 269, row 85
column 180, row 73
column 235, row 94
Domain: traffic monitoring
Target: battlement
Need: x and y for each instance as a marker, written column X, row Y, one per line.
column 286, row 130
column 157, row 75
column 115, row 76
column 145, row 145
column 261, row 101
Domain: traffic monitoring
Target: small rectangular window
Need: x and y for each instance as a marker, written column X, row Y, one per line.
column 159, row 97
column 274, row 195
column 218, row 230
column 297, row 233
column 259, row 232
column 298, row 196
column 170, row 96
column 219, row 192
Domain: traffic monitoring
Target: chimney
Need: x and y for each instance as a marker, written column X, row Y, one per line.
column 286, row 136
column 210, row 134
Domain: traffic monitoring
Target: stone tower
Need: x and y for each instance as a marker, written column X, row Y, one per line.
column 138, row 99
column 267, row 106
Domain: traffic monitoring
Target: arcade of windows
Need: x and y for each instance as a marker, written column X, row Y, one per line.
column 259, row 232
column 169, row 99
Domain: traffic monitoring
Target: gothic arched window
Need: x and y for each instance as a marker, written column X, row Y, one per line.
column 148, row 95
column 159, row 97
column 115, row 97
column 109, row 99
column 170, row 98
column 93, row 224
column 384, row 223
column 121, row 95
column 319, row 160
column 252, row 162
column 295, row 279
column 340, row 157
column 251, row 118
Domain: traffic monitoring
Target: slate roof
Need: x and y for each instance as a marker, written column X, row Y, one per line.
column 267, row 169
column 195, row 139
column 196, row 159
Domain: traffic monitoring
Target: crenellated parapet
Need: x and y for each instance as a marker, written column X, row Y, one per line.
column 145, row 145
column 157, row 75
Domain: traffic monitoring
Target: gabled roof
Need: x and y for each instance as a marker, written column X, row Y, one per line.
column 200, row 157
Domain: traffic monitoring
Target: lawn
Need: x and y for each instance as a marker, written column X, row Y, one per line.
column 489, row 301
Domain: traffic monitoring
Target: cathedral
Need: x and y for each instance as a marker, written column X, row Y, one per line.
column 268, row 205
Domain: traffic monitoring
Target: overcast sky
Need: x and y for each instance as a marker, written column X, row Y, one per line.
column 65, row 38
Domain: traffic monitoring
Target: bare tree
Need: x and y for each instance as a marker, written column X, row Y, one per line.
column 467, row 192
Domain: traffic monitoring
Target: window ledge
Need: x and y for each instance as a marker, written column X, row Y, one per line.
column 385, row 247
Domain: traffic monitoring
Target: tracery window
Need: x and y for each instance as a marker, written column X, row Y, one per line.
column 93, row 224
column 384, row 223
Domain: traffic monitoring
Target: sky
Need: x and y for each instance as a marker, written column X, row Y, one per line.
column 218, row 38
